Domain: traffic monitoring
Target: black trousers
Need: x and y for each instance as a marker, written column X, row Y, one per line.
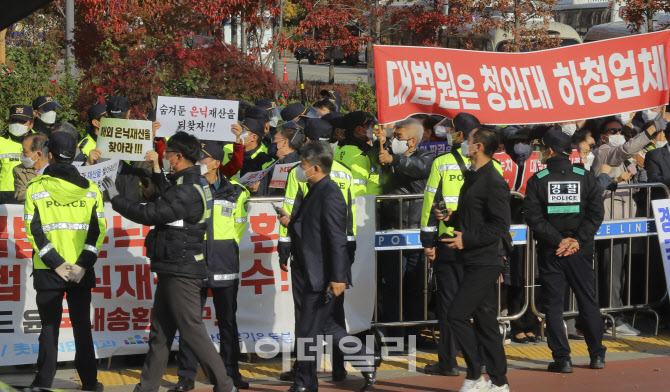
column 298, row 282
column 225, row 306
column 577, row 271
column 50, row 308
column 177, row 306
column 413, row 268
column 449, row 275
column 316, row 318
column 476, row 298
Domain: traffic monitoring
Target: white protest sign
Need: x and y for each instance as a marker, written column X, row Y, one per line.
column 125, row 139
column 253, row 177
column 206, row 119
column 99, row 171
column 280, row 175
column 662, row 219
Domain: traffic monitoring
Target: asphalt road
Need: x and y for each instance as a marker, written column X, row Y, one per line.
column 344, row 74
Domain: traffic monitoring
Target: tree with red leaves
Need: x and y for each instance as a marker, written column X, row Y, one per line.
column 639, row 14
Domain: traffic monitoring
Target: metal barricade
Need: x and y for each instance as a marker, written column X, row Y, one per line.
column 617, row 229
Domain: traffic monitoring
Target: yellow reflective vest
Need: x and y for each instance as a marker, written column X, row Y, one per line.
column 87, row 144
column 364, row 168
column 10, row 157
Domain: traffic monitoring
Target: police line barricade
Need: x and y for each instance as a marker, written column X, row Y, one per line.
column 617, row 232
column 409, row 239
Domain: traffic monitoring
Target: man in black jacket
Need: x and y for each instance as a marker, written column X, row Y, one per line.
column 318, row 231
column 564, row 208
column 481, row 223
column 176, row 248
column 407, row 170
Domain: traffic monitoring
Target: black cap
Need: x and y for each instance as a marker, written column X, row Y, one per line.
column 62, row 144
column 318, row 129
column 354, row 119
column 152, row 115
column 97, row 111
column 258, row 113
column 21, row 112
column 45, row 103
column 333, row 96
column 212, row 150
column 292, row 111
column 558, row 141
column 465, row 122
column 522, row 134
column 254, row 126
column 117, row 107
column 334, row 118
column 267, row 104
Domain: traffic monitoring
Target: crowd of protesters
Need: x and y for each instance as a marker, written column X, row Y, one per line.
column 396, row 159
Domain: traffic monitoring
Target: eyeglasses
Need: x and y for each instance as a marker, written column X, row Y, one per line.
column 613, row 131
column 279, row 140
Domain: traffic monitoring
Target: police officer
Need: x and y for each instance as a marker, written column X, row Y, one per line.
column 355, row 152
column 295, row 193
column 176, row 248
column 88, row 145
column 65, row 224
column 44, row 110
column 20, row 124
column 254, row 158
column 229, row 221
column 564, row 209
column 444, row 185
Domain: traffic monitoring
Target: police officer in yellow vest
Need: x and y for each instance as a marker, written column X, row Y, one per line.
column 355, row 152
column 316, row 130
column 227, row 226
column 88, row 145
column 20, row 124
column 65, row 224
column 444, row 185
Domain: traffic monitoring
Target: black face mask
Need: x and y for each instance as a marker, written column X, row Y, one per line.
column 272, row 151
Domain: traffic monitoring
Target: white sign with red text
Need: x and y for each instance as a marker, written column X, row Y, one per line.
column 280, row 175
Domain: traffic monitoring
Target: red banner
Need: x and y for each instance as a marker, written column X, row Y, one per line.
column 563, row 84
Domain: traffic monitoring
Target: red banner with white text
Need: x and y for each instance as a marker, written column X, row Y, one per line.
column 563, row 84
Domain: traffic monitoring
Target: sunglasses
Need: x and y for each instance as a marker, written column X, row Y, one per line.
column 613, row 131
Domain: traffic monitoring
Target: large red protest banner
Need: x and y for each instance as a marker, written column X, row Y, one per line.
column 563, row 84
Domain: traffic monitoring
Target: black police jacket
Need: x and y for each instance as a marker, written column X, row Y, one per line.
column 407, row 175
column 483, row 216
column 563, row 201
column 176, row 244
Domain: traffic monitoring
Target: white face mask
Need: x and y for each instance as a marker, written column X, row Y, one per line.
column 589, row 161
column 616, row 140
column 465, row 149
column 649, row 115
column 301, row 175
column 521, row 149
column 28, row 162
column 274, row 121
column 370, row 133
column 203, row 169
column 624, row 117
column 661, row 143
column 48, row 117
column 17, row 129
column 441, row 131
column 166, row 165
column 399, row 147
column 569, row 129
column 244, row 137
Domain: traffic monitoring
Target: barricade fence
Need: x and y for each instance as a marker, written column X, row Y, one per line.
column 633, row 227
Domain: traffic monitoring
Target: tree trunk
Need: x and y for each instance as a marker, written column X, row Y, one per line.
column 233, row 31
column 331, row 68
column 244, row 47
column 3, row 56
column 650, row 17
column 279, row 70
column 517, row 26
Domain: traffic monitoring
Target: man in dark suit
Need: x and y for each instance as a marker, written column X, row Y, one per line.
column 657, row 163
column 319, row 244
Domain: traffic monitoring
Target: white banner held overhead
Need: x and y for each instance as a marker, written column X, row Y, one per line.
column 99, row 171
column 125, row 139
column 206, row 119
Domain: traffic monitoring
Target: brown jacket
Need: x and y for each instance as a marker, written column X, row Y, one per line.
column 22, row 176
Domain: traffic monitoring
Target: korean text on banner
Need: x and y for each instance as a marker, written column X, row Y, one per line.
column 563, row 84
column 206, row 119
column 125, row 139
column 662, row 219
column 99, row 171
column 253, row 177
column 280, row 175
